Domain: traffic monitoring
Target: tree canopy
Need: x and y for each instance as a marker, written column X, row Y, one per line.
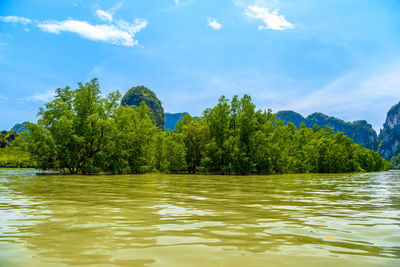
column 82, row 132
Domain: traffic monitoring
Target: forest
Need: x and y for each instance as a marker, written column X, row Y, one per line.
column 81, row 132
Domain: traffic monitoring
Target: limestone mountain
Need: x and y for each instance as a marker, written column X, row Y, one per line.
column 19, row 128
column 137, row 95
column 389, row 137
column 360, row 131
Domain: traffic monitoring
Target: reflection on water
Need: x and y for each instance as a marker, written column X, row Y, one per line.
column 166, row 220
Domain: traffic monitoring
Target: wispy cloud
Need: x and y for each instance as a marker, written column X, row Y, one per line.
column 15, row 20
column 107, row 16
column 114, row 31
column 41, row 97
column 271, row 18
column 120, row 33
column 3, row 97
column 176, row 2
column 214, row 24
column 103, row 15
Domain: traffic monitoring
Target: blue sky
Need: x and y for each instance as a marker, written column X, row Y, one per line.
column 338, row 57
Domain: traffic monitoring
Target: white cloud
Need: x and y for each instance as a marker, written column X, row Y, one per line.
column 15, row 19
column 271, row 19
column 176, row 2
column 41, row 97
column 118, row 32
column 3, row 97
column 104, row 16
column 107, row 16
column 214, row 24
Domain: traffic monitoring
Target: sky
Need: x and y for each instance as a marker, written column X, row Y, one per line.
column 338, row 57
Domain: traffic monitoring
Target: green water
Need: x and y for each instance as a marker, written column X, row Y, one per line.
column 167, row 220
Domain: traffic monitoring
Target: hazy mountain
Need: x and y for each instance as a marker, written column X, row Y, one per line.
column 360, row 131
column 171, row 119
column 19, row 128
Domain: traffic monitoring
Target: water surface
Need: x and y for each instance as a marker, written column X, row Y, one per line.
column 184, row 220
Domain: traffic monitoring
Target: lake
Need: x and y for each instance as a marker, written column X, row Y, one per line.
column 194, row 220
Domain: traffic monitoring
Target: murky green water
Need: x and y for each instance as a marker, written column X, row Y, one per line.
column 161, row 220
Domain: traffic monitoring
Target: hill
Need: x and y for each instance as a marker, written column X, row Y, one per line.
column 137, row 95
column 389, row 137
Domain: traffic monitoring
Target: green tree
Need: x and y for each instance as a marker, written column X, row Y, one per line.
column 185, row 121
column 175, row 152
column 195, row 137
column 218, row 154
column 134, row 147
column 73, row 129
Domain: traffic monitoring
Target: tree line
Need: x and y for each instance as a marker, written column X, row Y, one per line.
column 82, row 132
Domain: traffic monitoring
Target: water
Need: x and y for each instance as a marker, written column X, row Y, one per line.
column 183, row 220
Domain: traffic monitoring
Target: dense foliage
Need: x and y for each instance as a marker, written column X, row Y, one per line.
column 360, row 131
column 15, row 158
column 82, row 132
column 13, row 152
column 395, row 161
column 6, row 138
column 139, row 94
column 245, row 141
